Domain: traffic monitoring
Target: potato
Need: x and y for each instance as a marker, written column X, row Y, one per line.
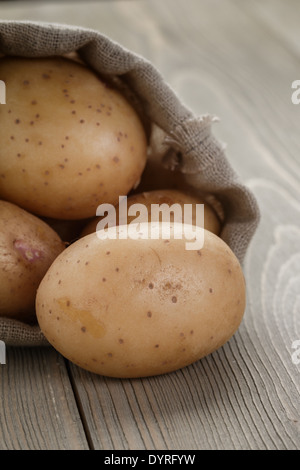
column 169, row 197
column 69, row 141
column 136, row 308
column 28, row 246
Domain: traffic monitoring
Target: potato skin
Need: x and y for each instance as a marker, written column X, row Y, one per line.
column 136, row 308
column 28, row 246
column 68, row 140
column 164, row 196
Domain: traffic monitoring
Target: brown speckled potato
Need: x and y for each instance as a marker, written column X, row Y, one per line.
column 169, row 197
column 68, row 141
column 136, row 308
column 28, row 246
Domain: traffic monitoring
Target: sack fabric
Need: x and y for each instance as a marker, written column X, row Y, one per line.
column 189, row 143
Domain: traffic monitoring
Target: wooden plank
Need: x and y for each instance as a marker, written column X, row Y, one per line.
column 37, row 406
column 281, row 17
column 224, row 401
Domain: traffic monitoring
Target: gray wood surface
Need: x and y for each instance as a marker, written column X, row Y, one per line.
column 235, row 59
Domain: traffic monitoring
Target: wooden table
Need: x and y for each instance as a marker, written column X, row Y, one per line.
column 235, row 59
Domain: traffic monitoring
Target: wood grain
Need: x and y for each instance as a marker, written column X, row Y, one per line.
column 37, row 406
column 237, row 60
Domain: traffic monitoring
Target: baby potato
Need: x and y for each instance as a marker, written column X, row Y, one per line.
column 28, row 246
column 164, row 196
column 69, row 141
column 140, row 307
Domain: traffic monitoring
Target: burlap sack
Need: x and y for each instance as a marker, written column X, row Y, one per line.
column 188, row 142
